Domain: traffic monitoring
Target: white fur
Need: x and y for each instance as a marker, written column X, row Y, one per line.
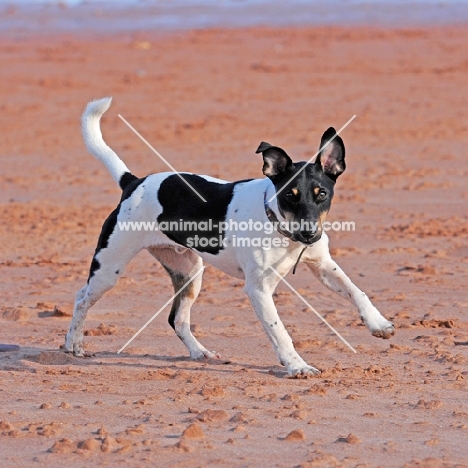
column 252, row 264
column 93, row 138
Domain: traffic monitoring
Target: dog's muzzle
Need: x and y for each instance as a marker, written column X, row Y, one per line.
column 307, row 237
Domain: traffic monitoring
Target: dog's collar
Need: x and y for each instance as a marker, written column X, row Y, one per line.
column 270, row 214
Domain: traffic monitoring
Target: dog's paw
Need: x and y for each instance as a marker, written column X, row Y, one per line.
column 385, row 333
column 303, row 373
column 385, row 330
column 296, row 366
column 377, row 324
column 77, row 349
column 204, row 354
column 82, row 353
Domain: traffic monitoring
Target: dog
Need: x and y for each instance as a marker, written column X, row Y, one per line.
column 292, row 194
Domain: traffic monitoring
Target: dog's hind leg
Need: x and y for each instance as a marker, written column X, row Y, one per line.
column 115, row 249
column 182, row 267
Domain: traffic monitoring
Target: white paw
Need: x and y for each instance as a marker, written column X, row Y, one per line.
column 74, row 346
column 297, row 367
column 386, row 333
column 303, row 373
column 382, row 329
column 203, row 354
column 78, row 351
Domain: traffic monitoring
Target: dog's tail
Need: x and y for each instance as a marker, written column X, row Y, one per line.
column 97, row 146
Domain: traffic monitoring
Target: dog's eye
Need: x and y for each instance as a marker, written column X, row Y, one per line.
column 322, row 195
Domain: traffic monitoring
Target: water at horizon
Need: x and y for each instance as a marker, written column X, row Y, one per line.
column 46, row 16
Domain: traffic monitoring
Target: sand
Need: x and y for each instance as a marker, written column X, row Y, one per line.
column 205, row 99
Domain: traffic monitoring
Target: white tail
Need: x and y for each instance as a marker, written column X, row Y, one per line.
column 95, row 143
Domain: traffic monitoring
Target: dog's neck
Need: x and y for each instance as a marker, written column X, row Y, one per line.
column 272, row 211
column 271, row 203
column 273, row 218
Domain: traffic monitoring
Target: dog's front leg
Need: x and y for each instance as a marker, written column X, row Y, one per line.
column 334, row 278
column 262, row 301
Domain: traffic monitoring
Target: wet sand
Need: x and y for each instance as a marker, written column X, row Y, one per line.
column 205, row 99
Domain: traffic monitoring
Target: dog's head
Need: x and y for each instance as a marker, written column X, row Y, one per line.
column 304, row 191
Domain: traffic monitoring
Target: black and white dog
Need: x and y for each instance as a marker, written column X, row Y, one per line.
column 292, row 194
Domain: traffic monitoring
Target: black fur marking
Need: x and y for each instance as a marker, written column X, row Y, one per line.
column 103, row 241
column 275, row 160
column 126, row 179
column 172, row 314
column 95, row 265
column 131, row 187
column 110, row 223
column 107, row 229
column 179, row 202
column 178, row 281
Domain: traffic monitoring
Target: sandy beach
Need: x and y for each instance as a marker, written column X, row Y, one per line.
column 205, row 99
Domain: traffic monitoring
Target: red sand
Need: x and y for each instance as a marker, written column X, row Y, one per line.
column 205, row 100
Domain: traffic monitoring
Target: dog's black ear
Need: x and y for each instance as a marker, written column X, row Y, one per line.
column 275, row 160
column 332, row 157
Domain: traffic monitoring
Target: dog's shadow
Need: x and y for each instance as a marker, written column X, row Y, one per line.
column 177, row 363
column 25, row 358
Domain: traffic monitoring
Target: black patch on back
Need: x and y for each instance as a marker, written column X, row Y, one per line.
column 126, row 179
column 110, row 223
column 179, row 202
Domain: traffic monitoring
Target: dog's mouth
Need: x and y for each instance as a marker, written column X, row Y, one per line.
column 307, row 238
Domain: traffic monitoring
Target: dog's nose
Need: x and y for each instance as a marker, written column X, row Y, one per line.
column 307, row 235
